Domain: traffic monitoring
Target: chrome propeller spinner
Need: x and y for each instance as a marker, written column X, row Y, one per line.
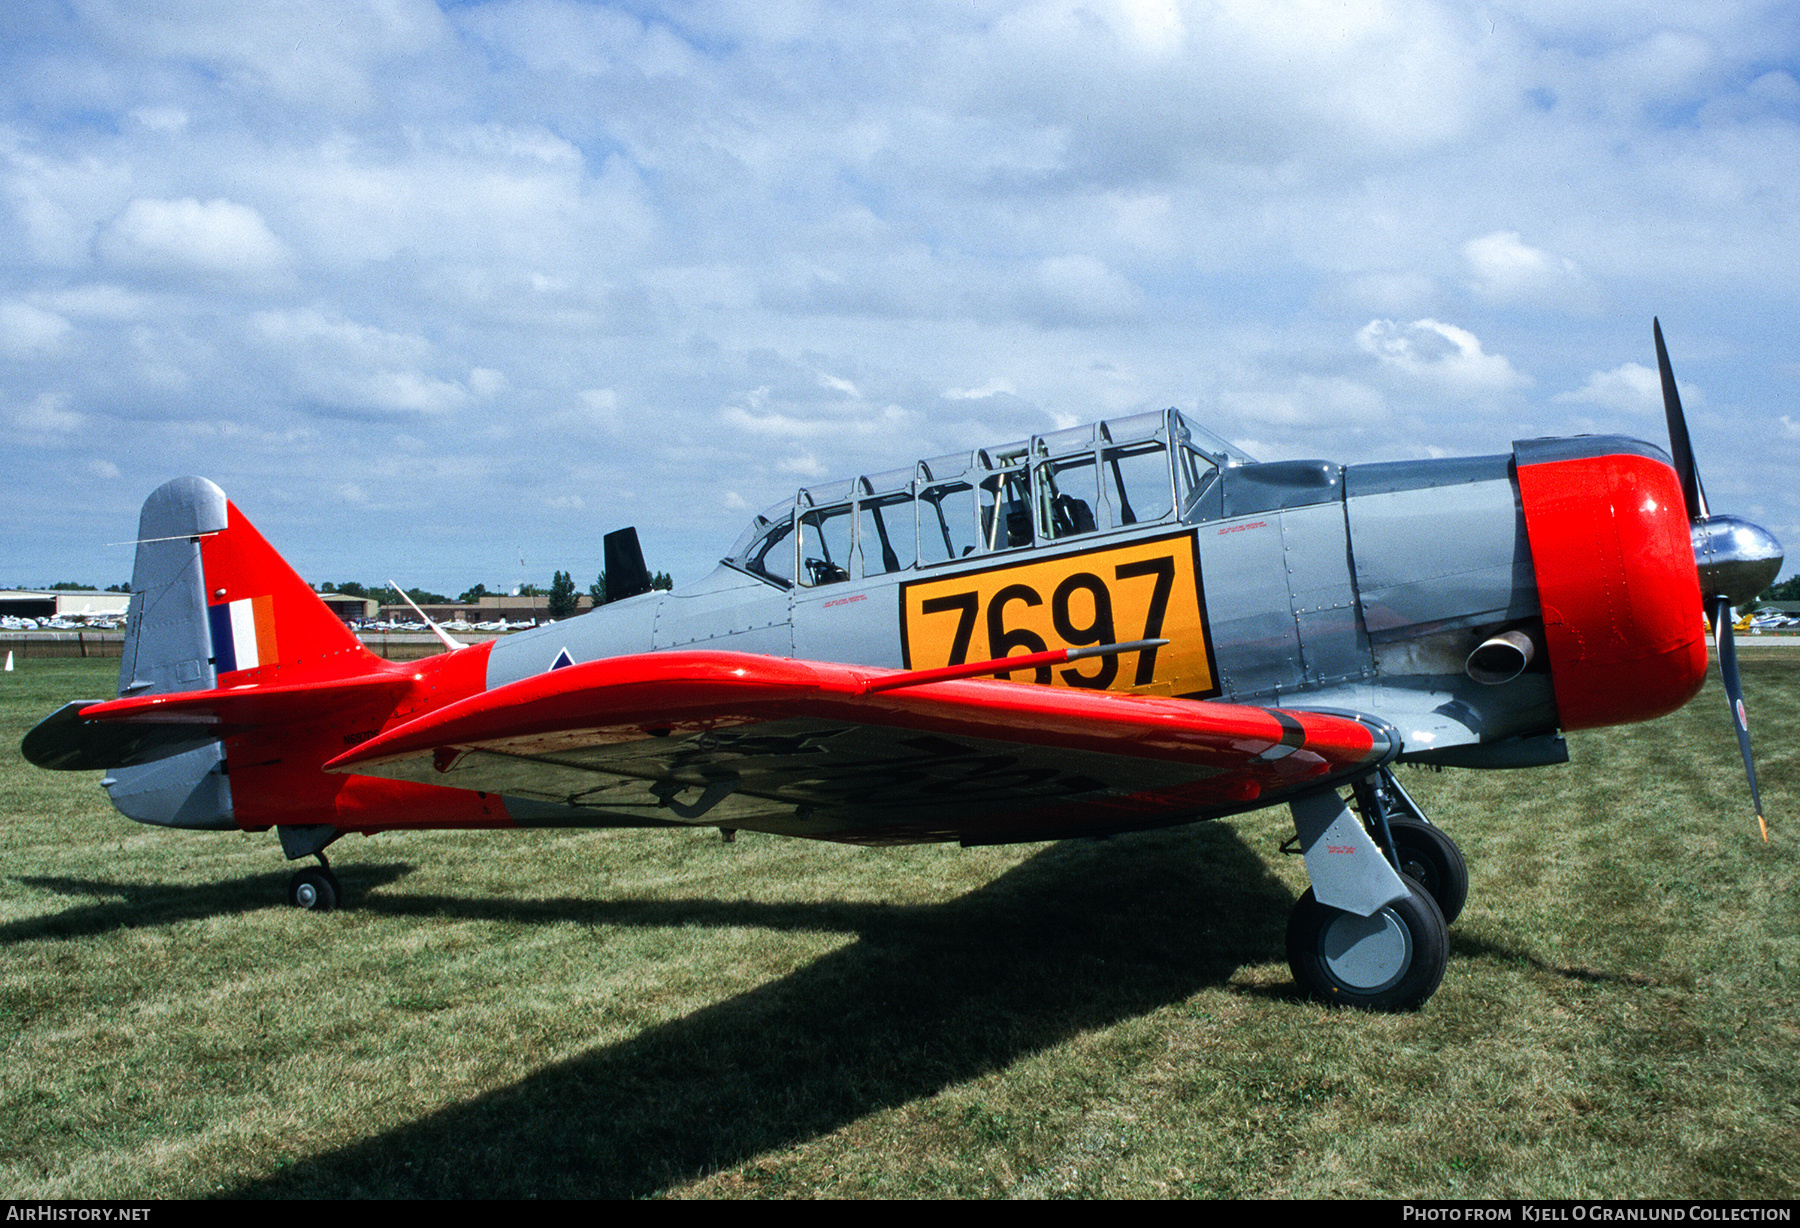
column 1736, row 561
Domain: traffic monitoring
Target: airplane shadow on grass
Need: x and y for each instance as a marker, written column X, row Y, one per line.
column 112, row 904
column 1075, row 938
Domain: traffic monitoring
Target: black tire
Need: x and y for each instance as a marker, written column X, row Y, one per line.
column 315, row 890
column 1392, row 961
column 1432, row 859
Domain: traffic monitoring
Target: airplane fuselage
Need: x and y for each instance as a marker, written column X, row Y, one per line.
column 1301, row 584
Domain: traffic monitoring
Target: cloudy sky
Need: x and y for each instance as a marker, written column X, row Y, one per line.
column 445, row 291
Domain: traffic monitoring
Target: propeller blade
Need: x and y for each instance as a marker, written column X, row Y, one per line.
column 1735, row 560
column 1680, row 449
column 1734, row 695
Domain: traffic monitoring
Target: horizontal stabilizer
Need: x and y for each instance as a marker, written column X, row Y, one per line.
column 64, row 742
column 250, row 706
column 117, row 733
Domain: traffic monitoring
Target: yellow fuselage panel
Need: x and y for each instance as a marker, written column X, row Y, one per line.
column 1111, row 594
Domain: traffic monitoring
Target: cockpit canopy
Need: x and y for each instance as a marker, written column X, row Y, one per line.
column 1087, row 480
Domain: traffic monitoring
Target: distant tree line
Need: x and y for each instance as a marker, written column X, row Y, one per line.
column 563, row 598
column 597, row 590
column 383, row 593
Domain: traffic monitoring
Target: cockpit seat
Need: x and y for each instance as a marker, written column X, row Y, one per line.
column 1072, row 516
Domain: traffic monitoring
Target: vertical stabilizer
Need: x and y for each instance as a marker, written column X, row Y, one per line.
column 213, row 606
column 168, row 648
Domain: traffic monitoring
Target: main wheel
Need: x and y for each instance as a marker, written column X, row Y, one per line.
column 1431, row 858
column 315, row 889
column 1391, row 961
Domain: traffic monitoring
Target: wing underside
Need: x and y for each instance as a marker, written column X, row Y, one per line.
column 807, row 749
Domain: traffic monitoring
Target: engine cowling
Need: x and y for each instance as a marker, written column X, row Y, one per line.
column 1616, row 578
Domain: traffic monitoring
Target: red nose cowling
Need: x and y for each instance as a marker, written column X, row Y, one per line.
column 1618, row 586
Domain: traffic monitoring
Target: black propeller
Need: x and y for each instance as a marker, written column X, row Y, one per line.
column 1736, row 559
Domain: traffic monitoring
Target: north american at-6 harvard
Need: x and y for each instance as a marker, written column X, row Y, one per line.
column 1118, row 627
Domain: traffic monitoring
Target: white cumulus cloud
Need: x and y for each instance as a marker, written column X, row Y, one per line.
column 348, row 365
column 219, row 237
column 25, row 329
column 1440, row 354
column 1632, row 387
column 1308, row 400
column 1507, row 269
column 1080, row 290
column 46, row 418
column 995, row 387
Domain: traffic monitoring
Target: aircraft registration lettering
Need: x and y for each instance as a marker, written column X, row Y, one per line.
column 1141, row 590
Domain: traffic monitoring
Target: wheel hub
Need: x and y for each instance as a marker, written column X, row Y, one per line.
column 1366, row 954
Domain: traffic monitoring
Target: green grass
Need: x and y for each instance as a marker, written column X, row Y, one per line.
column 661, row 1014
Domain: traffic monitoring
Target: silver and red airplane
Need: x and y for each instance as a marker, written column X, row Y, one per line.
column 1118, row 627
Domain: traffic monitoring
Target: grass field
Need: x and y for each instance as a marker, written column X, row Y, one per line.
column 661, row 1014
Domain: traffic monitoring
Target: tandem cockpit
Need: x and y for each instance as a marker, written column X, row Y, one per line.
column 1088, row 480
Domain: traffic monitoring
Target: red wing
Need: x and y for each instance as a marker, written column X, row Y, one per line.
column 803, row 748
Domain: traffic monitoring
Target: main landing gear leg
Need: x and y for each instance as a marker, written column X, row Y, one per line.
column 1362, row 935
column 1421, row 850
column 316, row 888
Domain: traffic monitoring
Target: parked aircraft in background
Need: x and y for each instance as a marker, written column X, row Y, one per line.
column 1117, row 627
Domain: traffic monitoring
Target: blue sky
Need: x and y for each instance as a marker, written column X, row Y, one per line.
column 444, row 292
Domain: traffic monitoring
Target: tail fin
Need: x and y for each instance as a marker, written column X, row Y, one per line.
column 213, row 605
column 167, row 647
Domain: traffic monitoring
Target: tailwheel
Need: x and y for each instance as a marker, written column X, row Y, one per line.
column 1392, row 961
column 315, row 889
column 1431, row 858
